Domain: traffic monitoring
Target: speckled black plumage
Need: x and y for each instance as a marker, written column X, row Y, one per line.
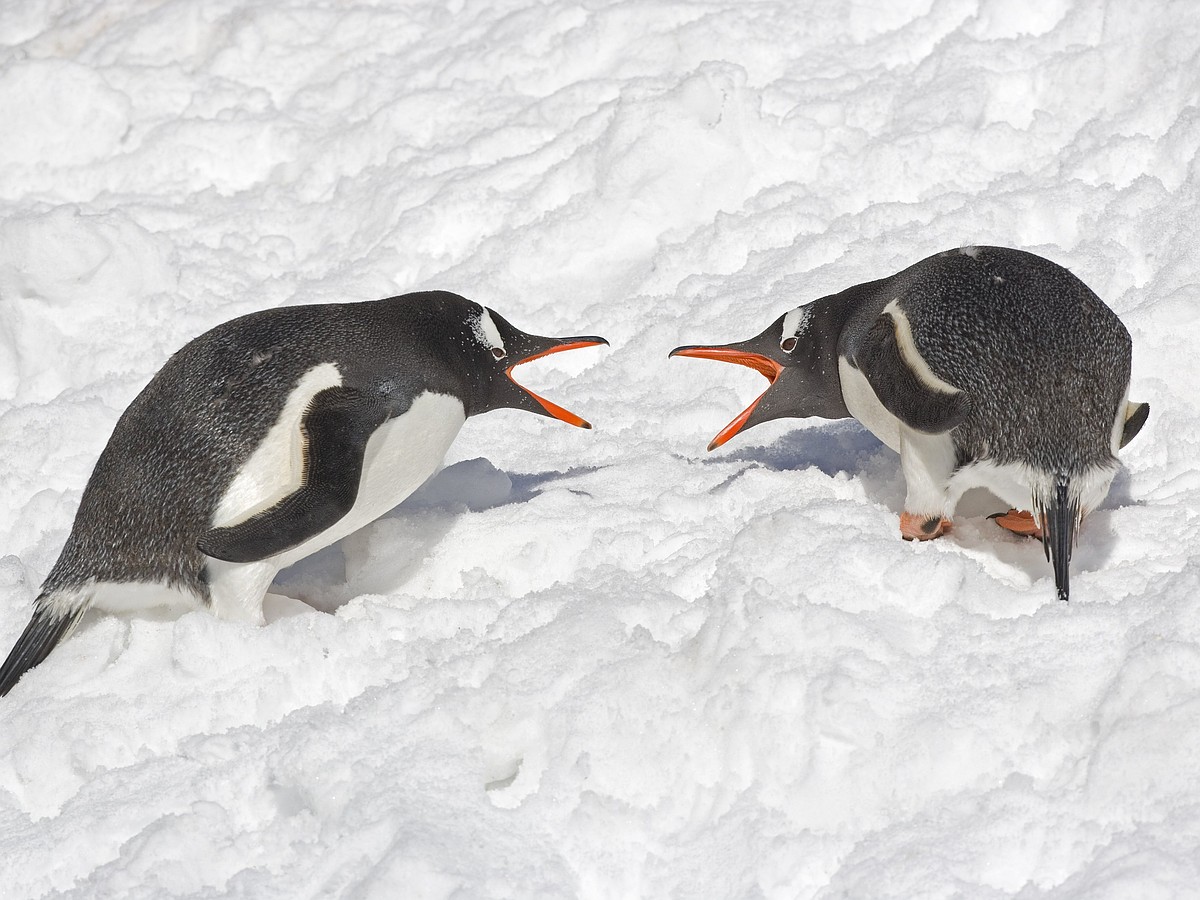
column 1044, row 362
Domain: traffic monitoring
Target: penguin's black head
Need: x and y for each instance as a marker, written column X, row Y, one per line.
column 803, row 376
column 503, row 347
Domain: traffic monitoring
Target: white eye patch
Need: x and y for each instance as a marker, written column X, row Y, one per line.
column 795, row 324
column 489, row 335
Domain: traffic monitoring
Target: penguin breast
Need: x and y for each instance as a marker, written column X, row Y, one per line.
column 863, row 403
column 401, row 454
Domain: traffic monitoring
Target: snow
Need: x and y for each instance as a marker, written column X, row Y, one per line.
column 604, row 664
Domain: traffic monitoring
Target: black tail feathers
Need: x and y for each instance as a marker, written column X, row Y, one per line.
column 1059, row 514
column 40, row 636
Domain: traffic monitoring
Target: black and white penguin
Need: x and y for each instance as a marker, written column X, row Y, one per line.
column 982, row 366
column 269, row 437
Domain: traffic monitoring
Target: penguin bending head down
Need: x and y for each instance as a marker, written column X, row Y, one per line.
column 983, row 366
column 270, row 437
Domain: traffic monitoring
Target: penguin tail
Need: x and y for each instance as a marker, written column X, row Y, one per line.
column 1058, row 513
column 52, row 621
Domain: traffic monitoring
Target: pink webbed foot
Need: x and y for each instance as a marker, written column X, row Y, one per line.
column 922, row 528
column 1018, row 521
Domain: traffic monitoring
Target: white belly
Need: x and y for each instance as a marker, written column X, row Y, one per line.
column 401, row 454
column 864, row 405
column 136, row 596
column 1011, row 482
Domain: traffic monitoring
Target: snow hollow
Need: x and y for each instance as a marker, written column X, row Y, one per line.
column 604, row 664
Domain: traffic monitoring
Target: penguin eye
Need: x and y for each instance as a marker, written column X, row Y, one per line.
column 788, row 344
column 499, row 352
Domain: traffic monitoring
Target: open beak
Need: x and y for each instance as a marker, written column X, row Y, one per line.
column 735, row 353
column 558, row 346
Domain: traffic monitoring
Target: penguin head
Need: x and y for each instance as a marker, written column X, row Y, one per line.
column 786, row 354
column 501, row 348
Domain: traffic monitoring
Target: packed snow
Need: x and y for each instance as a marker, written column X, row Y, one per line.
column 604, row 664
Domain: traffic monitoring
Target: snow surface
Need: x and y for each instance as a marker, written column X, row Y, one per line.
column 604, row 664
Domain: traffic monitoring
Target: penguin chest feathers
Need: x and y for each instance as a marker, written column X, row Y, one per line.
column 864, row 404
column 400, row 455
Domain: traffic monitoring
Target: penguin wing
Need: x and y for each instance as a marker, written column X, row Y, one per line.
column 336, row 427
column 903, row 381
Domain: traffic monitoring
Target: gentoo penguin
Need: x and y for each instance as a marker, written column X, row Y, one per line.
column 982, row 366
column 269, row 437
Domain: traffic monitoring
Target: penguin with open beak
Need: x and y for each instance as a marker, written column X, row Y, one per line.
column 270, row 437
column 981, row 366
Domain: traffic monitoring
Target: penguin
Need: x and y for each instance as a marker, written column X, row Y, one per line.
column 269, row 437
column 980, row 366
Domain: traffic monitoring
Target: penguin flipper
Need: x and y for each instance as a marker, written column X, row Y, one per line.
column 336, row 427
column 1136, row 415
column 903, row 381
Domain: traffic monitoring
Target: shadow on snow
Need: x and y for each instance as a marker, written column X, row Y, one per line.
column 424, row 518
column 844, row 446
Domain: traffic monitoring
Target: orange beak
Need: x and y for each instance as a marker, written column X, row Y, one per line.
column 554, row 409
column 766, row 367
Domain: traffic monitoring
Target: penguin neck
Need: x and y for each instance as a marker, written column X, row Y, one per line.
column 463, row 374
column 828, row 319
column 477, row 387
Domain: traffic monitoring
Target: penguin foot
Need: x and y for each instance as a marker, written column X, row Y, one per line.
column 922, row 528
column 1018, row 521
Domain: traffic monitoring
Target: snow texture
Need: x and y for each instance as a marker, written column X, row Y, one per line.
column 604, row 664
